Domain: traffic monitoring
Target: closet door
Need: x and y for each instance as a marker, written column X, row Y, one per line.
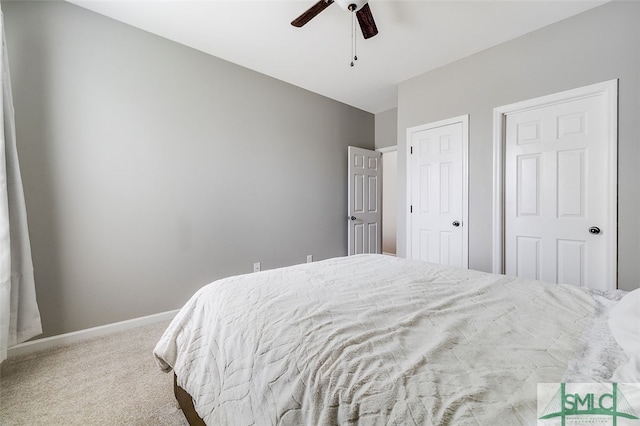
column 437, row 188
column 557, row 193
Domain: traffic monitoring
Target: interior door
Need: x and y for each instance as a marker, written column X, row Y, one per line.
column 364, row 190
column 437, row 189
column 557, row 183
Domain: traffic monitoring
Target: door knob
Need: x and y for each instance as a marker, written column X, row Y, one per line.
column 352, row 217
column 594, row 230
column 456, row 223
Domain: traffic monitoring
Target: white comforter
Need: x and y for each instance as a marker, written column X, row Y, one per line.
column 373, row 339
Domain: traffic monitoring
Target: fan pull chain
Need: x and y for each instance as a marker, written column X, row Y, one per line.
column 354, row 55
column 355, row 38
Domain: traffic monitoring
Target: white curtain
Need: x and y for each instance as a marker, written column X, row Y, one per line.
column 19, row 315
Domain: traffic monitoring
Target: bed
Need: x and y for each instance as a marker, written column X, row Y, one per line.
column 374, row 339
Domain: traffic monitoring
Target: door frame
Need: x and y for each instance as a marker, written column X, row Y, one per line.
column 383, row 151
column 464, row 119
column 608, row 89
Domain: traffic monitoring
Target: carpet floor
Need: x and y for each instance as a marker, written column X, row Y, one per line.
column 107, row 380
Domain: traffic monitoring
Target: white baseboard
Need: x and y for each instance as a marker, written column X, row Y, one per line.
column 388, row 254
column 77, row 336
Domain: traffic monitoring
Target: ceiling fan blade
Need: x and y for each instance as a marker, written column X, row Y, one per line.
column 367, row 24
column 311, row 13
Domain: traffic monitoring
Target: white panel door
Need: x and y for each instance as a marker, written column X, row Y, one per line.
column 365, row 191
column 438, row 193
column 556, row 192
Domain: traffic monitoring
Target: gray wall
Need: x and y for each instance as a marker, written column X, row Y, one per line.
column 598, row 45
column 386, row 128
column 151, row 169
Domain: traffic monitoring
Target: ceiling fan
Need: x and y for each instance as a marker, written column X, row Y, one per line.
column 360, row 7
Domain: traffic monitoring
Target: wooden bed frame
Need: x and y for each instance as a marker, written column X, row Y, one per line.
column 186, row 404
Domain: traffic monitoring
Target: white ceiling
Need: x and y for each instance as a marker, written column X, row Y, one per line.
column 414, row 37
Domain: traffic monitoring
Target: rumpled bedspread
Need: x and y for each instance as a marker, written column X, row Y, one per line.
column 371, row 340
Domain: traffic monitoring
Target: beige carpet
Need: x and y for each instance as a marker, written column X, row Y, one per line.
column 109, row 380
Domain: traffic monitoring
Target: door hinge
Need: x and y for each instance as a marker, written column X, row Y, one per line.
column 410, row 209
column 411, row 150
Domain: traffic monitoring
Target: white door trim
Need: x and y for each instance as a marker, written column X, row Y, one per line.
column 464, row 119
column 608, row 89
column 387, row 149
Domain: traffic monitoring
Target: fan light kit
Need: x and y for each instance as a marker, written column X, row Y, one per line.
column 359, row 9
